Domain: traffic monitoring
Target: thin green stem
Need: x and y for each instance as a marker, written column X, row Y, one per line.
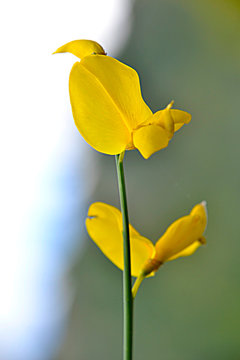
column 127, row 292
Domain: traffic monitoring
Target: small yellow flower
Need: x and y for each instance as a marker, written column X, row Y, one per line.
column 182, row 238
column 108, row 107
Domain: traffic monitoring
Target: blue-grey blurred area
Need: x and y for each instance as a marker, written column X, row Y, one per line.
column 47, row 171
column 188, row 51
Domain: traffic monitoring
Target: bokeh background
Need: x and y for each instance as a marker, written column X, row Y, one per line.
column 61, row 299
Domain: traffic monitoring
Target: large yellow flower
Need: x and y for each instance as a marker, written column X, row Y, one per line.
column 182, row 238
column 108, row 107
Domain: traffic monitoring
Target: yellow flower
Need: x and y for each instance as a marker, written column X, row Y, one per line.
column 182, row 238
column 108, row 107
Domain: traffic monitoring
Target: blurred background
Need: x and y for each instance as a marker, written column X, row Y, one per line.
column 61, row 299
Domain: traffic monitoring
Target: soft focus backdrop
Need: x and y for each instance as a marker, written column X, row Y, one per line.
column 184, row 50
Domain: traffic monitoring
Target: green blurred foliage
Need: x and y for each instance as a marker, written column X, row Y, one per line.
column 188, row 51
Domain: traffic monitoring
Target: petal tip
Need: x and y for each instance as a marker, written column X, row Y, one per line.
column 170, row 105
column 204, row 204
column 81, row 48
column 189, row 118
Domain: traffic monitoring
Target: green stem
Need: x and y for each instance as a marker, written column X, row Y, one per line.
column 127, row 292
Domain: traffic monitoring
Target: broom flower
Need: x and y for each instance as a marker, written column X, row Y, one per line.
column 182, row 238
column 108, row 107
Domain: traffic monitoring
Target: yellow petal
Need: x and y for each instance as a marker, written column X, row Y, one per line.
column 180, row 118
column 164, row 119
column 104, row 226
column 96, row 115
column 188, row 250
column 170, row 119
column 121, row 83
column 182, row 233
column 149, row 139
column 81, row 48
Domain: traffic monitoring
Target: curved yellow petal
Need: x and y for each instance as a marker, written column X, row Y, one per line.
column 96, row 115
column 182, row 233
column 149, row 139
column 188, row 250
column 201, row 211
column 180, row 118
column 104, row 226
column 142, row 249
column 81, row 48
column 170, row 119
column 121, row 82
column 164, row 119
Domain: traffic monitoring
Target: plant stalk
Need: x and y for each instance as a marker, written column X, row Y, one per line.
column 127, row 283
